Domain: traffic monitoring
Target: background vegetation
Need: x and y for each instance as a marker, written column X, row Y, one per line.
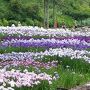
column 31, row 12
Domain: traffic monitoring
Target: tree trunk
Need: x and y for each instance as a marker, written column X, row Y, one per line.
column 46, row 13
column 53, row 13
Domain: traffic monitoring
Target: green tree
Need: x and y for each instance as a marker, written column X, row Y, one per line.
column 5, row 22
column 46, row 13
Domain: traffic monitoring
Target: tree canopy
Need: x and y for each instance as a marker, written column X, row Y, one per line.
column 31, row 12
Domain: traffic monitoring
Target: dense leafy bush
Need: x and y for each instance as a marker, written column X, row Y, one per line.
column 29, row 21
column 13, row 22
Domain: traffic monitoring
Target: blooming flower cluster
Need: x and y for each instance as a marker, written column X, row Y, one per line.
column 38, row 55
column 10, row 37
column 53, row 43
column 16, row 78
column 28, row 63
column 59, row 42
column 30, row 31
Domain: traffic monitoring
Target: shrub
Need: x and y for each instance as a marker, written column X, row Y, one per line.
column 29, row 21
column 1, row 23
column 36, row 22
column 51, row 23
column 69, row 22
column 5, row 22
column 13, row 22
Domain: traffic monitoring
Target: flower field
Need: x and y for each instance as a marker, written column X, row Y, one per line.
column 33, row 58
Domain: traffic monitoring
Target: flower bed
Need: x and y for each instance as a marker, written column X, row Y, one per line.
column 33, row 58
column 47, row 43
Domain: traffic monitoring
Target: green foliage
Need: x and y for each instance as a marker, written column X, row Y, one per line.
column 15, row 6
column 69, row 22
column 5, row 22
column 29, row 21
column 44, row 85
column 1, row 23
column 76, row 65
column 13, row 22
column 30, row 12
column 36, row 23
column 77, row 9
column 86, row 22
column 51, row 23
column 20, row 49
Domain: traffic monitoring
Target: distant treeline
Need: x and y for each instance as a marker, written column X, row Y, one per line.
column 31, row 12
